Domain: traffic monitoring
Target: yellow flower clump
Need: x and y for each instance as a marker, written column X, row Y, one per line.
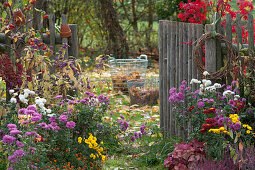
column 249, row 129
column 92, row 142
column 220, row 130
column 234, row 118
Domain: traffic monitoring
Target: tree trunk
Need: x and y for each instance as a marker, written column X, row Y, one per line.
column 116, row 36
column 150, row 24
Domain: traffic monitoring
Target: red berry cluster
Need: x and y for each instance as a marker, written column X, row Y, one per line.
column 12, row 78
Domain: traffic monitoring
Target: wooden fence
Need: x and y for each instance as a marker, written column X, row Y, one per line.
column 176, row 45
column 52, row 40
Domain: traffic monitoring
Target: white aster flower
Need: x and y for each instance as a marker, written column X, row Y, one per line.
column 41, row 105
column 210, row 88
column 208, row 83
column 26, row 91
column 13, row 100
column 51, row 115
column 26, row 95
column 227, row 92
column 195, row 81
column 11, row 91
column 237, row 96
column 205, row 73
column 217, row 85
column 32, row 92
column 48, row 110
column 15, row 94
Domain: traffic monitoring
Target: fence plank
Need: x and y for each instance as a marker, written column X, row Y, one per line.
column 73, row 41
column 239, row 47
column 172, row 68
column 239, row 31
column 168, row 78
column 161, row 72
column 190, row 37
column 180, row 68
column 210, row 52
column 177, row 64
column 199, row 33
column 185, row 68
column 193, row 64
column 52, row 39
column 229, row 28
column 250, row 35
column 65, row 40
column 219, row 57
column 165, row 93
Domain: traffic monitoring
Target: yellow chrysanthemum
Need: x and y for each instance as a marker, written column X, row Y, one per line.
column 249, row 128
column 79, row 139
column 221, row 128
column 247, row 131
column 244, row 125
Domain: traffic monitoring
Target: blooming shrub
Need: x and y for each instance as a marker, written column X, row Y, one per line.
column 37, row 132
column 185, row 155
column 214, row 115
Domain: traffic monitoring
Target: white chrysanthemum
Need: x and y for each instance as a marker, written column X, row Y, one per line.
column 32, row 92
column 15, row 94
column 210, row 88
column 227, row 92
column 51, row 115
column 27, row 91
column 23, row 99
column 195, row 81
column 204, row 81
column 11, row 91
column 233, row 93
column 13, row 100
column 205, row 73
column 208, row 83
column 237, row 96
column 217, row 85
column 26, row 95
column 43, row 110
column 41, row 105
column 48, row 110
column 43, row 100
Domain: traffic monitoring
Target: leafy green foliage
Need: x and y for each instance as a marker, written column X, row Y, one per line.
column 167, row 8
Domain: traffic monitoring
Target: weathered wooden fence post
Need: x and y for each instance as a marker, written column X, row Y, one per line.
column 210, row 52
column 65, row 40
column 73, row 41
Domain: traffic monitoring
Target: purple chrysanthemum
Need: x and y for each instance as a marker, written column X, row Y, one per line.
column 19, row 144
column 11, row 126
column 8, row 139
column 70, row 124
column 63, row 118
column 15, row 131
column 19, row 153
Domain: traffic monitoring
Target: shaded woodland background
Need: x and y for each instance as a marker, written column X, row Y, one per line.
column 120, row 27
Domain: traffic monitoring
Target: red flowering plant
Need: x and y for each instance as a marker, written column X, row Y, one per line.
column 193, row 12
column 25, row 56
column 13, row 78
